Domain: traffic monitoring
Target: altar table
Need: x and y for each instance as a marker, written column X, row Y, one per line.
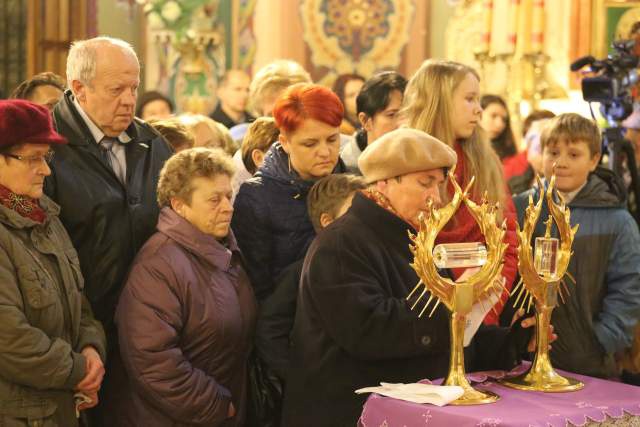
column 600, row 402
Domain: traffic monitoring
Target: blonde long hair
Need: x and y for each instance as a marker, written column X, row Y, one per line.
column 428, row 107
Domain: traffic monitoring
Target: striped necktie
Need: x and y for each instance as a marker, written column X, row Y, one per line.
column 110, row 157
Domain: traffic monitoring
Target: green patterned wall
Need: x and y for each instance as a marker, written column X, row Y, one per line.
column 13, row 61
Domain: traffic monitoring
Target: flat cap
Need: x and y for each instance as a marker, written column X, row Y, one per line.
column 404, row 151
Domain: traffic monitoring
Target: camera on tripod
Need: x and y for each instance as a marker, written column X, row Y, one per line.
column 611, row 87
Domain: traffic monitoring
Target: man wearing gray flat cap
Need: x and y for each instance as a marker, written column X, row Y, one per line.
column 353, row 326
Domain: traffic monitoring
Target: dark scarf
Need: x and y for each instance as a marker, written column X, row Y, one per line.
column 24, row 205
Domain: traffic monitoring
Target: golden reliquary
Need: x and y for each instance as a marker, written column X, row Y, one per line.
column 541, row 281
column 459, row 297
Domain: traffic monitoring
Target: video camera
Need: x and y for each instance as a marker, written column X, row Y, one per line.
column 611, row 87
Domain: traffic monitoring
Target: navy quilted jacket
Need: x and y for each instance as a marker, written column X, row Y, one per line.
column 270, row 220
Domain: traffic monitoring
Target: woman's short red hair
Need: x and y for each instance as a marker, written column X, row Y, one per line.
column 307, row 101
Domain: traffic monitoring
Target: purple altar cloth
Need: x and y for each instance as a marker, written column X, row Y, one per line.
column 597, row 400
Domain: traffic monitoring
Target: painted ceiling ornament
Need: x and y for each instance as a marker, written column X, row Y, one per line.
column 623, row 28
column 362, row 36
column 189, row 56
column 357, row 24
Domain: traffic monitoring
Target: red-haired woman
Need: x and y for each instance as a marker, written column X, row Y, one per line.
column 270, row 220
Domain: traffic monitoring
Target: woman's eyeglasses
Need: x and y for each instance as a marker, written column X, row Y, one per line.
column 33, row 161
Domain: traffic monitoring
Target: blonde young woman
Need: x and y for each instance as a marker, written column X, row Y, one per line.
column 443, row 99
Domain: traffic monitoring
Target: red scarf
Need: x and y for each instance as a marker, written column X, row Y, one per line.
column 463, row 228
column 24, row 205
column 382, row 201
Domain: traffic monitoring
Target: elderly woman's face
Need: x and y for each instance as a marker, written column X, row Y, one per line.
column 210, row 209
column 269, row 101
column 410, row 194
column 313, row 149
column 24, row 169
column 206, row 137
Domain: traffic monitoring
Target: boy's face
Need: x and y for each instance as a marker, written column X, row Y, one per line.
column 573, row 162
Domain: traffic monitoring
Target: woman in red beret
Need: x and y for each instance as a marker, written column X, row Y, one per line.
column 51, row 347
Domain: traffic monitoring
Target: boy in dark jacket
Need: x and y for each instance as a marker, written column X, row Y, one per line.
column 601, row 310
column 328, row 199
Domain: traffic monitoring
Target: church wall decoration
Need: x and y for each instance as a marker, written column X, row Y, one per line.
column 355, row 36
column 186, row 59
column 243, row 43
column 612, row 21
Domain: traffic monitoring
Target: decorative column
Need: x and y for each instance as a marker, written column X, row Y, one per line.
column 188, row 57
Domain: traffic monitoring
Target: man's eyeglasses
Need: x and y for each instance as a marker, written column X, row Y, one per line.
column 33, row 161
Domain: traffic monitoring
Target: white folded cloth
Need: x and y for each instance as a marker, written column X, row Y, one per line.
column 81, row 398
column 438, row 395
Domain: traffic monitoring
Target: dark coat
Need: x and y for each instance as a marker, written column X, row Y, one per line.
column 190, row 314
column 598, row 316
column 107, row 221
column 221, row 117
column 353, row 325
column 45, row 321
column 271, row 221
column 275, row 321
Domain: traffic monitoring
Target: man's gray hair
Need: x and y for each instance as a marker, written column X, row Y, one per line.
column 83, row 55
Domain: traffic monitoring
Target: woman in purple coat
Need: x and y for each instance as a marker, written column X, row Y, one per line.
column 187, row 313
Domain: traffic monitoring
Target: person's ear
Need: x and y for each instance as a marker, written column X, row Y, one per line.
column 325, row 219
column 594, row 162
column 178, row 206
column 284, row 142
column 381, row 186
column 257, row 156
column 79, row 90
column 365, row 121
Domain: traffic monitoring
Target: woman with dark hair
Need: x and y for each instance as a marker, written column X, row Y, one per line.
column 270, row 219
column 378, row 104
column 497, row 124
column 154, row 105
column 347, row 87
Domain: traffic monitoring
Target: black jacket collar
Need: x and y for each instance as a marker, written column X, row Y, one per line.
column 388, row 226
column 69, row 122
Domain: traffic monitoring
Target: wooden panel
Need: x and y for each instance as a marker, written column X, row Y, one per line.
column 53, row 25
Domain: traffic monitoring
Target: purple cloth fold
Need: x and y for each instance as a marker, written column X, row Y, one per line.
column 598, row 400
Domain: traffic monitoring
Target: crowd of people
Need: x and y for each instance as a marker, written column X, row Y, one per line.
column 251, row 267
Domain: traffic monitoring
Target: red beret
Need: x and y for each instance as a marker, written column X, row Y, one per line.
column 23, row 122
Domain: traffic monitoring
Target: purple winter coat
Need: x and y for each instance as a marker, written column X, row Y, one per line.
column 185, row 320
